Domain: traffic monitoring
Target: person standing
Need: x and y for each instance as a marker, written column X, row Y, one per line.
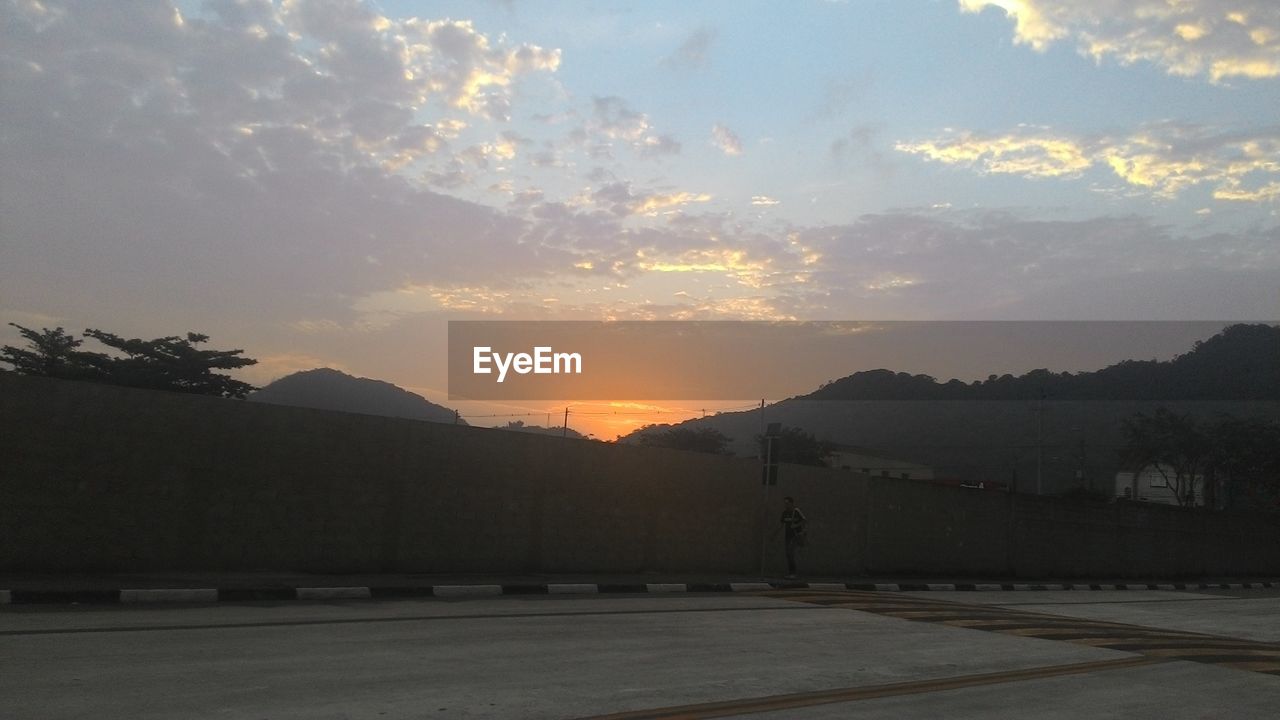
column 794, row 527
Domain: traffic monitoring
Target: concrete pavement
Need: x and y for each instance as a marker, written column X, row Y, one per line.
column 547, row 656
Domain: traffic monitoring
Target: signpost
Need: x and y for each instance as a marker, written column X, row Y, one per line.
column 768, row 478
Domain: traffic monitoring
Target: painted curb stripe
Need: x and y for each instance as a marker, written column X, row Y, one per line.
column 622, row 587
column 389, row 593
column 713, row 587
column 572, row 588
column 157, row 595
column 666, row 587
column 334, row 593
column 268, row 594
column 466, row 590
column 524, row 589
column 256, row 594
column 40, row 597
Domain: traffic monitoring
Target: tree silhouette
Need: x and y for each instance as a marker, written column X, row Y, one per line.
column 168, row 363
column 1173, row 445
column 1245, row 458
column 52, row 353
column 708, row 440
column 520, row 426
column 798, row 447
column 1243, row 454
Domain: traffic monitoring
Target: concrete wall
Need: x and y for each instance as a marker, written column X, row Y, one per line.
column 94, row 477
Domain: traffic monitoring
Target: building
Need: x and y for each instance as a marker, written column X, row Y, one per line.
column 1160, row 484
column 870, row 462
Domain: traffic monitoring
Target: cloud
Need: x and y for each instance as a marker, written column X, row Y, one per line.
column 409, row 60
column 335, row 71
column 273, row 170
column 692, row 53
column 275, row 366
column 1170, row 159
column 658, row 145
column 737, row 264
column 1005, row 265
column 764, row 200
column 725, row 139
column 651, row 204
column 1026, row 155
column 1218, row 39
column 622, row 200
column 503, row 148
column 256, row 159
column 858, row 142
column 839, row 94
column 907, row 265
column 1163, row 158
column 460, row 64
column 615, row 120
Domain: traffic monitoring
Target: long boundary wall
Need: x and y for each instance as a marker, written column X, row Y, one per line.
column 95, row 477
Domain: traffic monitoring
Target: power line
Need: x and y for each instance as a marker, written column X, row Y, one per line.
column 571, row 412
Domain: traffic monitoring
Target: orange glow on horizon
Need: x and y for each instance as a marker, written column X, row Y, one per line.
column 609, row 420
column 599, row 420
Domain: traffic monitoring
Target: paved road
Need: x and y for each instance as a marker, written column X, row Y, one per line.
column 780, row 654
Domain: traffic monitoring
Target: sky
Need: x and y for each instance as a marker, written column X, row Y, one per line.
column 328, row 182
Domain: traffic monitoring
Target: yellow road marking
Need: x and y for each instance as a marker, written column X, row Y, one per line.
column 1152, row 642
column 1176, row 652
column 791, row 701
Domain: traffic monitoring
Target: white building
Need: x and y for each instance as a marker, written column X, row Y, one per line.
column 1160, row 484
column 870, row 462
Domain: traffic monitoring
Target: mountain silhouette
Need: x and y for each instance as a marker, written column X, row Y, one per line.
column 1240, row 363
column 1000, row 429
column 328, row 389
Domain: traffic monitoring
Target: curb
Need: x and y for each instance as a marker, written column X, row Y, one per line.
column 214, row 595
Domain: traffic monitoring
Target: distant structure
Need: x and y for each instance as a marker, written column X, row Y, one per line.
column 1159, row 484
column 871, row 462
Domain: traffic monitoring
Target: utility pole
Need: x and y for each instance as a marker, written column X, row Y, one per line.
column 1040, row 443
column 1080, row 472
column 768, row 477
column 761, row 450
column 565, row 431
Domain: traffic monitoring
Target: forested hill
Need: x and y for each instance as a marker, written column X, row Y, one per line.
column 328, row 389
column 1240, row 363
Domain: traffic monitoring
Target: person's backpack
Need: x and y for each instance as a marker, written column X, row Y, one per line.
column 802, row 529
